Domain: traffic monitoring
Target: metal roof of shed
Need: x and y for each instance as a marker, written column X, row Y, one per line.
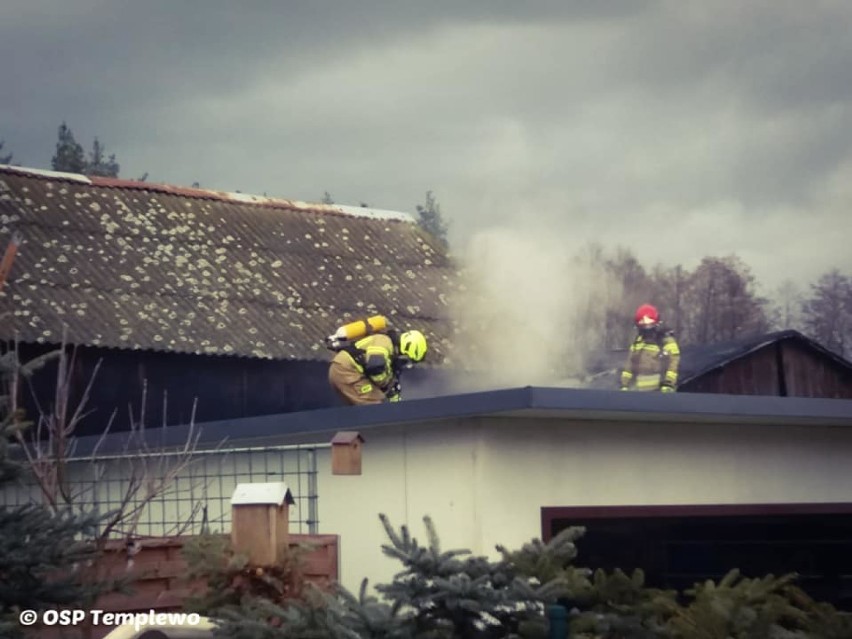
column 527, row 402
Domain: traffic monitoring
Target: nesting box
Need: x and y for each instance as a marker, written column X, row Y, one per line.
column 346, row 453
column 260, row 521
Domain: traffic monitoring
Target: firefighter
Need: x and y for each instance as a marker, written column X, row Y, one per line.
column 367, row 371
column 652, row 364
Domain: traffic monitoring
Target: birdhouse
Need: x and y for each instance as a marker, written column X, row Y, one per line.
column 260, row 521
column 346, row 453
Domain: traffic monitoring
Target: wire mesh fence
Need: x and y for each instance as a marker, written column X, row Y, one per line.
column 195, row 497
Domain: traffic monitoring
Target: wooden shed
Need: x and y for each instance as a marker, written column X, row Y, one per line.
column 784, row 363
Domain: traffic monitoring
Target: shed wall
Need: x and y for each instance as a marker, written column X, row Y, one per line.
column 788, row 368
column 219, row 387
column 484, row 480
column 807, row 374
column 606, row 464
column 753, row 374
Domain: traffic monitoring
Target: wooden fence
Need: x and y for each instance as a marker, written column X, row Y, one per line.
column 159, row 576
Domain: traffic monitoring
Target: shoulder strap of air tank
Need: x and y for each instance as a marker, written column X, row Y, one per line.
column 356, row 353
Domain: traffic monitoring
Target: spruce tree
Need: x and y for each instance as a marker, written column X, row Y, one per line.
column 455, row 595
column 4, row 159
column 43, row 554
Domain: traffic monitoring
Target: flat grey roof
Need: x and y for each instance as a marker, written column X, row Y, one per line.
column 527, row 402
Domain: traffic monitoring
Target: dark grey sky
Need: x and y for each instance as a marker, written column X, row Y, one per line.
column 679, row 129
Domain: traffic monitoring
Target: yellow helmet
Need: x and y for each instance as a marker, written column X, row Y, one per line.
column 412, row 344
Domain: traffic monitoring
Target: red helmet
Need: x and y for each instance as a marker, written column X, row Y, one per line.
column 647, row 316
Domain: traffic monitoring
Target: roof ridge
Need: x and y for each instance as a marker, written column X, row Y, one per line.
column 211, row 194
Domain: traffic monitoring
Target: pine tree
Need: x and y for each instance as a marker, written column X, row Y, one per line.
column 69, row 156
column 98, row 164
column 42, row 553
column 430, row 219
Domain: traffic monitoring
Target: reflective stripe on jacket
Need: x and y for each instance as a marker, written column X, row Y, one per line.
column 651, row 364
column 378, row 346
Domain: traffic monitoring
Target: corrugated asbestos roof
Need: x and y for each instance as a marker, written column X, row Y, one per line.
column 143, row 266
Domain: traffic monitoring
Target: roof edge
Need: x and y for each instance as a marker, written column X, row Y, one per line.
column 568, row 403
column 57, row 175
column 212, row 194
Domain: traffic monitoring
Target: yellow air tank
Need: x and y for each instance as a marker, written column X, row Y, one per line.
column 356, row 330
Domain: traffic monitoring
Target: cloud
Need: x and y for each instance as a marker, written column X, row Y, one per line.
column 678, row 130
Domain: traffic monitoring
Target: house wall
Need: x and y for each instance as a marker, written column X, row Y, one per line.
column 484, row 481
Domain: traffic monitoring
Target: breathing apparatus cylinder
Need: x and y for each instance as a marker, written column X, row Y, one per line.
column 354, row 331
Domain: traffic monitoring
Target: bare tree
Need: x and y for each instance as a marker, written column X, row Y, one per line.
column 637, row 287
column 828, row 312
column 722, row 302
column 669, row 285
column 786, row 310
column 145, row 474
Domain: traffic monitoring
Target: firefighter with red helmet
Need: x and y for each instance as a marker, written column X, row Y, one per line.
column 652, row 364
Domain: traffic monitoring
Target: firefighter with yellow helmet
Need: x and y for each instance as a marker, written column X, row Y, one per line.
column 654, row 358
column 370, row 358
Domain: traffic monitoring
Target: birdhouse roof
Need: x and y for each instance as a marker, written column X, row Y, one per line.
column 346, row 437
column 271, row 493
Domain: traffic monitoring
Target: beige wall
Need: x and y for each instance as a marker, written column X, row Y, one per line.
column 600, row 464
column 406, row 473
column 484, row 480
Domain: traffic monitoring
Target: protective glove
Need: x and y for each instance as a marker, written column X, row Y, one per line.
column 394, row 391
column 667, row 389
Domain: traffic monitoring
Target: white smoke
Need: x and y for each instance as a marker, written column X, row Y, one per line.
column 532, row 310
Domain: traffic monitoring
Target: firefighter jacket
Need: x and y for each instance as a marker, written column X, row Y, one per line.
column 372, row 357
column 652, row 363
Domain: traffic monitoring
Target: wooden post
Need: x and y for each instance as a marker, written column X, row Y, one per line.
column 260, row 521
column 346, row 453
